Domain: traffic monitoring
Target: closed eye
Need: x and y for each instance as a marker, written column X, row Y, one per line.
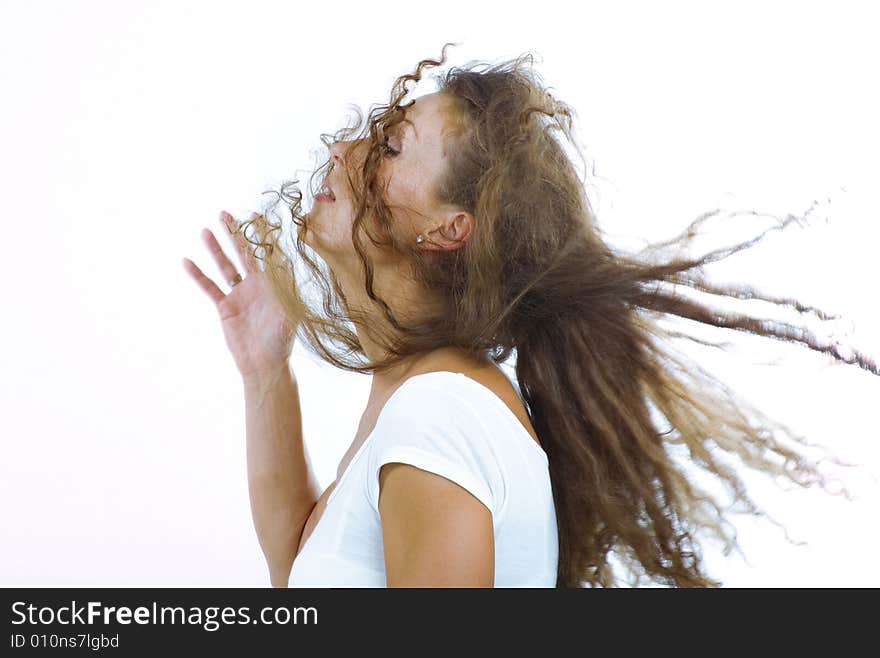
column 389, row 151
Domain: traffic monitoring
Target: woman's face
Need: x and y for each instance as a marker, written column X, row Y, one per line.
column 412, row 162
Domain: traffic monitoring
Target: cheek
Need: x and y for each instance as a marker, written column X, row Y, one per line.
column 404, row 193
column 392, row 202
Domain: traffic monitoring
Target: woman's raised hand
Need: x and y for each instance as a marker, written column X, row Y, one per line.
column 257, row 333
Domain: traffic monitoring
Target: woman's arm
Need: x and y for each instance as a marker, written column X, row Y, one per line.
column 283, row 490
column 435, row 533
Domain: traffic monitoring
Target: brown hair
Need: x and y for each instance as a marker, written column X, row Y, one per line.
column 594, row 366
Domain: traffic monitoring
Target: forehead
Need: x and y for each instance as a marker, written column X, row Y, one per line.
column 427, row 104
column 429, row 114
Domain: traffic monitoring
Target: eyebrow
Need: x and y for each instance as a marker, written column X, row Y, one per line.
column 408, row 121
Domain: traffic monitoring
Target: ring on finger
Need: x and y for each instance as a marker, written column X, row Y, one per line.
column 235, row 280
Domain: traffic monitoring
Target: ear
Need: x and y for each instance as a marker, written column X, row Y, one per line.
column 453, row 233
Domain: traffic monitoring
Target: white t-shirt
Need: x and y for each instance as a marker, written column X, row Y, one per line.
column 449, row 424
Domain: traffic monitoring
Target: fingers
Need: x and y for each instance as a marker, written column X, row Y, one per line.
column 242, row 246
column 204, row 282
column 227, row 268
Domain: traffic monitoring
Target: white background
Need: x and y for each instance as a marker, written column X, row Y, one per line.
column 126, row 127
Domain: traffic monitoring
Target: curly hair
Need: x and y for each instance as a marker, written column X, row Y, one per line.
column 615, row 406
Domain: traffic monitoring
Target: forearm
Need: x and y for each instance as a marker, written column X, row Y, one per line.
column 282, row 487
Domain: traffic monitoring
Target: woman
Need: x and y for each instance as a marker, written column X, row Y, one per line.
column 455, row 232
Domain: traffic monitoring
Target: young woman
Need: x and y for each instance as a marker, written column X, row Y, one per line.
column 456, row 232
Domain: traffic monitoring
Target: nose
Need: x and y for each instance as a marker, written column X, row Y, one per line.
column 348, row 151
column 337, row 152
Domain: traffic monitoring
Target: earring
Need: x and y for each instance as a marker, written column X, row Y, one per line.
column 420, row 238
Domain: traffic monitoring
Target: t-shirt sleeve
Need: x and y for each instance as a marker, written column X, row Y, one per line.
column 435, row 427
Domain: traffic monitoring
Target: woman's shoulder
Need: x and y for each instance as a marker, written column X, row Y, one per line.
column 448, row 379
column 433, row 421
column 451, row 411
column 451, row 423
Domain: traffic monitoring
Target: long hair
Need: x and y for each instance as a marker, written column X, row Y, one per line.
column 616, row 407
